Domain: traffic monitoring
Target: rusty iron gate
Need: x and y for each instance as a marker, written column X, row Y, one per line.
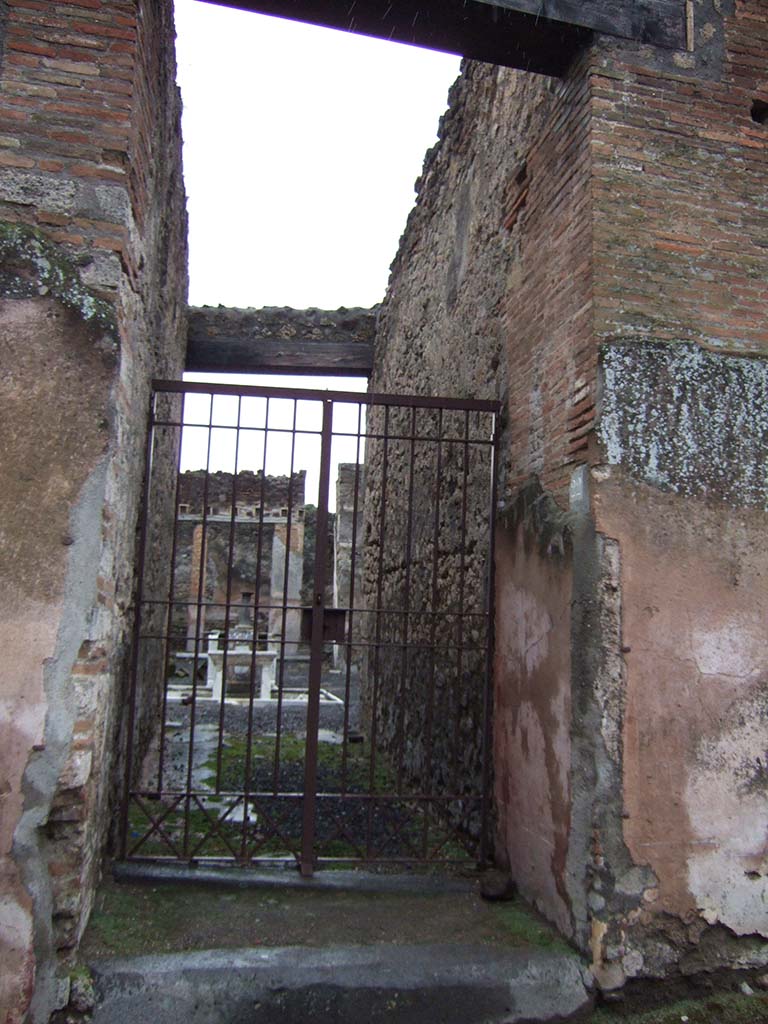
column 313, row 634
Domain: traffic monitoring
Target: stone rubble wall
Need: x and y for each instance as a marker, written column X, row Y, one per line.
column 441, row 332
column 425, row 586
column 93, row 233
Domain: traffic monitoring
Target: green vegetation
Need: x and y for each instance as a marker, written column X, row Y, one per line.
column 348, row 825
column 352, row 773
column 724, row 1008
column 527, row 928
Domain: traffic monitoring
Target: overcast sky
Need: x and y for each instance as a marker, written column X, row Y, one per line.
column 301, row 148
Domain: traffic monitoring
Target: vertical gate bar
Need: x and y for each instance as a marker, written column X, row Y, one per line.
column 200, row 580
column 490, row 639
column 433, row 630
column 284, row 614
column 228, row 600
column 254, row 642
column 169, row 613
column 377, row 638
column 316, row 654
column 352, row 595
column 139, row 591
column 460, row 620
column 400, row 731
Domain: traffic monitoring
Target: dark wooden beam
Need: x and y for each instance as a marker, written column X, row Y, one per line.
column 472, row 28
column 319, row 342
column 534, row 35
column 660, row 22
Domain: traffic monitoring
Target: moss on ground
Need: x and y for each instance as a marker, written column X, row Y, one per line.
column 723, row 1008
column 135, row 919
column 527, row 928
column 345, row 830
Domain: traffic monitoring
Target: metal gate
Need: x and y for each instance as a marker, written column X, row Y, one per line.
column 311, row 659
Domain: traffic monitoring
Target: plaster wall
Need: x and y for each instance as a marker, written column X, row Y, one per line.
column 43, row 564
column 93, row 291
column 695, row 729
column 532, row 709
column 678, row 483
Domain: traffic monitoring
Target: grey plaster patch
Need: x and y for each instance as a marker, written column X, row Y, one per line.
column 455, row 984
column 687, row 420
column 45, row 766
column 602, row 879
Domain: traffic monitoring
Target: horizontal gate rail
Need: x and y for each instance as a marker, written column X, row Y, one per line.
column 302, row 394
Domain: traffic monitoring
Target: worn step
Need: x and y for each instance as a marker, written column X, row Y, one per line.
column 406, row 984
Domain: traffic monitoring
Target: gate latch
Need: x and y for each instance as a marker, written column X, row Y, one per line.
column 334, row 625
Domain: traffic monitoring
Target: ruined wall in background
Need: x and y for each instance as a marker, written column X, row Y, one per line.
column 242, row 523
column 350, row 501
column 622, row 210
column 93, row 237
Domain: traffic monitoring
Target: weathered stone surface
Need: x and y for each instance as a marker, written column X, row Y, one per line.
column 440, row 333
column 497, row 885
column 455, row 984
column 688, row 421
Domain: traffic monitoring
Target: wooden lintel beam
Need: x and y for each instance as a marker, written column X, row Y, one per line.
column 478, row 30
column 659, row 22
column 532, row 35
column 335, row 343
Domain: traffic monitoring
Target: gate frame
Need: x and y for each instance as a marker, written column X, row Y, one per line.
column 328, row 398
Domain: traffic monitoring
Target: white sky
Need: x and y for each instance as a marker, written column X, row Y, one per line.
column 301, row 149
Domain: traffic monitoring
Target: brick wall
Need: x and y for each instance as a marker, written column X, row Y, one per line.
column 680, row 168
column 93, row 236
column 547, row 316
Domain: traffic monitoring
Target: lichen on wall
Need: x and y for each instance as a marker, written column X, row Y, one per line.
column 31, row 265
column 687, row 420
